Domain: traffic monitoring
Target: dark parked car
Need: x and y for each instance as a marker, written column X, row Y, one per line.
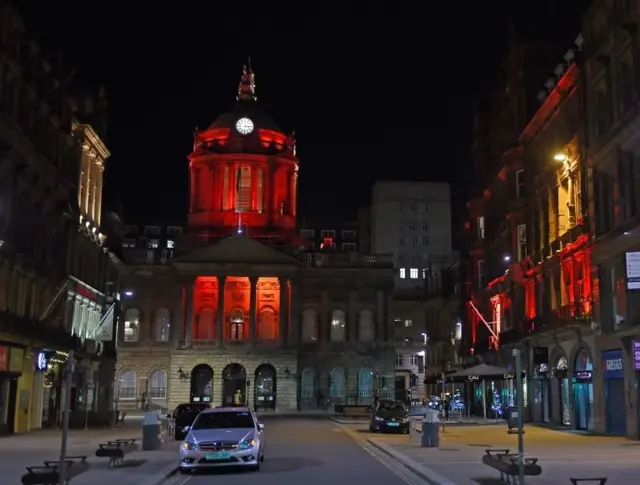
column 390, row 417
column 184, row 416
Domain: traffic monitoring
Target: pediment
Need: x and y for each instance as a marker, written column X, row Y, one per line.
column 237, row 249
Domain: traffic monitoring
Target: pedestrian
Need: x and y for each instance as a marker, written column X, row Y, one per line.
column 446, row 404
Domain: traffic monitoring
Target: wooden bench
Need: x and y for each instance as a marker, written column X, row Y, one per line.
column 48, row 474
column 507, row 464
column 599, row 480
column 116, row 450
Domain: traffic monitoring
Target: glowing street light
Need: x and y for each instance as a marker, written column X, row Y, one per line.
column 507, row 258
column 560, row 157
column 128, row 293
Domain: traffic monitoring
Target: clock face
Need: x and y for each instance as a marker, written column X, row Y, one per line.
column 244, row 126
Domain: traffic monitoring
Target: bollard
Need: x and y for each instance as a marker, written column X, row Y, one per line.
column 150, row 432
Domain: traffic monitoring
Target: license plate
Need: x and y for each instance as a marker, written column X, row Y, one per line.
column 221, row 455
column 393, row 425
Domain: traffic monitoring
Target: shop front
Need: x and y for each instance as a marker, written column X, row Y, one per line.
column 583, row 390
column 40, row 364
column 541, row 408
column 12, row 395
column 614, row 393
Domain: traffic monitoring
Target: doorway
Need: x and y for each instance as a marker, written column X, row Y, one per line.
column 234, row 386
column 265, row 388
column 201, row 383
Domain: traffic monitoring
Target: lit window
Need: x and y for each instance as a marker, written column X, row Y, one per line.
column 413, row 273
column 170, row 244
column 408, row 323
column 403, row 273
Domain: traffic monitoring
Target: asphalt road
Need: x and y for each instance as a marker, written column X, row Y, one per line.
column 312, row 452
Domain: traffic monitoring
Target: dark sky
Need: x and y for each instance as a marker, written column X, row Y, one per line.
column 376, row 92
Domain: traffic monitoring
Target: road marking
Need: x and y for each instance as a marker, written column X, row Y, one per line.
column 182, row 480
column 397, row 469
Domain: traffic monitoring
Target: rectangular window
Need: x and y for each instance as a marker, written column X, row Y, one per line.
column 520, row 183
column 414, row 226
column 415, row 241
column 348, row 234
column 425, row 241
column 414, row 208
column 401, row 207
column 328, row 233
column 399, row 360
column 481, row 276
column 425, row 226
column 243, row 188
column 413, row 273
column 408, row 323
column 403, row 241
column 522, row 242
column 403, row 273
column 480, row 225
column 308, row 233
column 349, row 247
column 401, row 257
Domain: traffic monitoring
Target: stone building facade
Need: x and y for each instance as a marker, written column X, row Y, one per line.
column 241, row 312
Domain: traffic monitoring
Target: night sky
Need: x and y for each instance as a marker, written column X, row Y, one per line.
column 372, row 93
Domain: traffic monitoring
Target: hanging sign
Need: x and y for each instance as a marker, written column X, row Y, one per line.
column 41, row 361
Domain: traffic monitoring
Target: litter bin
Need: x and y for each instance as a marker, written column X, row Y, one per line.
column 150, row 432
column 430, row 429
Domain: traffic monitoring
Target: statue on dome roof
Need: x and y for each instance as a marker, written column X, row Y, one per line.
column 247, row 86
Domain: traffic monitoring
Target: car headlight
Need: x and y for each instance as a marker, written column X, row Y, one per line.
column 405, row 420
column 190, row 446
column 246, row 444
column 377, row 418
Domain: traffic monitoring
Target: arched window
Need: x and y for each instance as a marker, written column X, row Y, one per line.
column 365, row 386
column 131, row 325
column 158, row 388
column 162, row 325
column 309, row 325
column 127, row 385
column 338, row 326
column 307, row 384
column 204, row 325
column 365, row 326
column 267, row 324
column 337, row 384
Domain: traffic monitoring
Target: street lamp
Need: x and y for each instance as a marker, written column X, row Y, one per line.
column 128, row 293
column 560, row 157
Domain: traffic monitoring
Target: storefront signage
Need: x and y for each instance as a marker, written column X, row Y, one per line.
column 583, row 375
column 4, row 359
column 612, row 364
column 41, row 361
column 635, row 350
column 87, row 293
column 633, row 271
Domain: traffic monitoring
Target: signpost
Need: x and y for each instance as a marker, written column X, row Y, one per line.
column 520, row 397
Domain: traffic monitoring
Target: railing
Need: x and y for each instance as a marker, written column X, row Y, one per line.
column 348, row 259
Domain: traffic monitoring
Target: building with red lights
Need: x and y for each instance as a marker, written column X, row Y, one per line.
column 553, row 274
column 238, row 309
column 528, row 273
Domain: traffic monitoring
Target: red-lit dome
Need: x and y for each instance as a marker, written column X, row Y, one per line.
column 243, row 171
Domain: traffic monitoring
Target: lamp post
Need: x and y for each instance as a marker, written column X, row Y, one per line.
column 68, row 377
column 519, row 388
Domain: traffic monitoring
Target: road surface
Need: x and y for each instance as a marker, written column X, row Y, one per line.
column 312, row 452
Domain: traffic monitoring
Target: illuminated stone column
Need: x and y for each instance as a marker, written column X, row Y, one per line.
column 294, row 329
column 324, row 324
column 352, row 322
column 188, row 317
column 220, row 310
column 192, row 188
column 254, row 189
column 99, row 182
column 294, row 193
column 283, row 312
column 379, row 316
column 252, row 309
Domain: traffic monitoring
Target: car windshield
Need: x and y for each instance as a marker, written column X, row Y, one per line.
column 222, row 420
column 190, row 409
column 392, row 408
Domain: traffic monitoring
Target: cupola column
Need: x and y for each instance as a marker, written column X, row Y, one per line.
column 252, row 309
column 220, row 311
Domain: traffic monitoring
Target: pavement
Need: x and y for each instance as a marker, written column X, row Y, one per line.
column 140, row 468
column 562, row 454
column 312, row 451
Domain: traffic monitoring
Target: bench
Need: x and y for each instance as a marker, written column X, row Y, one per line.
column 116, row 450
column 48, row 474
column 599, row 480
column 507, row 464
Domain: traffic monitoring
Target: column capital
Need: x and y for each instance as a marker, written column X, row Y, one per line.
column 253, row 280
column 221, row 279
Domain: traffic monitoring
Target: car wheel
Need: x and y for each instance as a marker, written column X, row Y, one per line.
column 262, row 457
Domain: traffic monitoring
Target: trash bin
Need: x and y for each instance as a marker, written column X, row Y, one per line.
column 430, row 429
column 150, row 432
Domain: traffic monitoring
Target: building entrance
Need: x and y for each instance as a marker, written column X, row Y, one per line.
column 265, row 388
column 234, row 385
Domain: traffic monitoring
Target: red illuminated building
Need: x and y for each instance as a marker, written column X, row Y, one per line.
column 243, row 173
column 237, row 311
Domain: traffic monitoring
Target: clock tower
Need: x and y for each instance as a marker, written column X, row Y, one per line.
column 243, row 173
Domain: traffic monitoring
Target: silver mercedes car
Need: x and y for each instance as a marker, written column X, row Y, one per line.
column 223, row 437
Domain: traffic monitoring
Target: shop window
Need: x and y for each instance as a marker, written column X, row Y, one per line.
column 131, row 325
column 158, row 388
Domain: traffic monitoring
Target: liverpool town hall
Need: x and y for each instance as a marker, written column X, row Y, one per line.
column 236, row 310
